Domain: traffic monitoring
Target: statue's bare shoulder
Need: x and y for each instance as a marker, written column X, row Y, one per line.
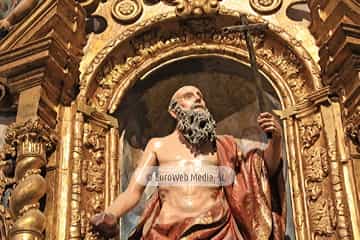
column 162, row 146
column 156, row 143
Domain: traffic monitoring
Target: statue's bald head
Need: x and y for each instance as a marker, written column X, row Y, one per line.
column 187, row 97
column 181, row 91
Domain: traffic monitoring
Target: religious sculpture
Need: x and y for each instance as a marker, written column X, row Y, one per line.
column 250, row 207
column 58, row 70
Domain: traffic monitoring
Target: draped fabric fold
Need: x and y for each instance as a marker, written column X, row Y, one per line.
column 252, row 208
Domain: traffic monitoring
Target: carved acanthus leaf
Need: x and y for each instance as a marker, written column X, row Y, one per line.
column 199, row 7
column 93, row 178
column 310, row 133
column 31, row 130
column 317, row 164
column 352, row 129
column 322, row 213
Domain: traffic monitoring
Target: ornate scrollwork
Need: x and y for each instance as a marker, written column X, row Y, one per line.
column 265, row 6
column 31, row 132
column 310, row 133
column 6, row 166
column 297, row 60
column 322, row 217
column 352, row 129
column 322, row 212
column 197, row 7
column 317, row 164
column 152, row 43
column 93, row 180
column 289, row 65
column 126, row 11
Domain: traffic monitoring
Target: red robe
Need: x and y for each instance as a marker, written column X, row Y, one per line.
column 252, row 208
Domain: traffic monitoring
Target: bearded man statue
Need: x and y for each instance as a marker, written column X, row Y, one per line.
column 249, row 204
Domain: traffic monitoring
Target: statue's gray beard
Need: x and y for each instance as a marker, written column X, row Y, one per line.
column 197, row 127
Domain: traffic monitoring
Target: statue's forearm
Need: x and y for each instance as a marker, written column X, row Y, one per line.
column 23, row 8
column 123, row 203
column 128, row 199
column 272, row 154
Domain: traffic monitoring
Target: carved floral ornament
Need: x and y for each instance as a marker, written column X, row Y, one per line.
column 113, row 76
column 352, row 129
column 317, row 176
column 92, row 178
column 128, row 11
column 194, row 7
column 265, row 6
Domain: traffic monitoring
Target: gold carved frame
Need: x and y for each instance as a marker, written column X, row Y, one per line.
column 313, row 130
column 66, row 145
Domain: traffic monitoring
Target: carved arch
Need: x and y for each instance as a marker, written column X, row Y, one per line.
column 143, row 46
column 146, row 45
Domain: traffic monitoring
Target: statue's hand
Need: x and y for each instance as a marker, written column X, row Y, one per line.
column 4, row 25
column 269, row 124
column 105, row 223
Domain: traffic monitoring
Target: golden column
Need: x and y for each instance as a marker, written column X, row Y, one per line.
column 33, row 140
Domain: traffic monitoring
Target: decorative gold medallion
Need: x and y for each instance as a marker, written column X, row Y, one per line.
column 126, row 11
column 194, row 7
column 265, row 6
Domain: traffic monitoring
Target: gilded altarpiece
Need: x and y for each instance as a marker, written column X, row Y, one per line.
column 79, row 159
column 318, row 191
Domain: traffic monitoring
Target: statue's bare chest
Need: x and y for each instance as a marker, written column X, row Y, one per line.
column 181, row 155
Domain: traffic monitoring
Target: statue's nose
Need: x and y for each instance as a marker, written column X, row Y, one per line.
column 197, row 99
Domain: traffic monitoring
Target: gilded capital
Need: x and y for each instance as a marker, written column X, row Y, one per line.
column 32, row 137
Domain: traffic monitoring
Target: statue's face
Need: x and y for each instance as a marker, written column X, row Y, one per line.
column 194, row 121
column 190, row 98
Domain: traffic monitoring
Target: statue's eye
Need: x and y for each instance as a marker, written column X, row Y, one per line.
column 187, row 95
